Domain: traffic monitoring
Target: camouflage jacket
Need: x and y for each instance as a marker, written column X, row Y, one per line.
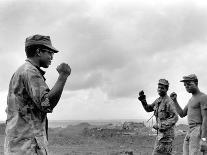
column 164, row 112
column 27, row 108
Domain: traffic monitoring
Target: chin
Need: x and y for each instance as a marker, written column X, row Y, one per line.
column 160, row 94
column 188, row 90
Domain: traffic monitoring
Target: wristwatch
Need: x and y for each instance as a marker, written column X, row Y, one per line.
column 204, row 139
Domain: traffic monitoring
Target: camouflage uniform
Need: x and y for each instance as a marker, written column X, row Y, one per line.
column 27, row 108
column 166, row 117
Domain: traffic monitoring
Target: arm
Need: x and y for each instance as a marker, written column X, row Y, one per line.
column 147, row 107
column 204, row 117
column 182, row 112
column 203, row 143
column 37, row 89
column 56, row 92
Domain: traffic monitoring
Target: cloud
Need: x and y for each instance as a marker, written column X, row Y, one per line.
column 117, row 47
column 124, row 43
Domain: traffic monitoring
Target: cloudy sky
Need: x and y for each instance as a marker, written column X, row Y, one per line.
column 115, row 49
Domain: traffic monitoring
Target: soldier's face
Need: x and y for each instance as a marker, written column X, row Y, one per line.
column 162, row 90
column 46, row 58
column 190, row 86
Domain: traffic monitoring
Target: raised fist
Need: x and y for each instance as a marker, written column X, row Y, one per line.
column 141, row 95
column 173, row 96
column 64, row 69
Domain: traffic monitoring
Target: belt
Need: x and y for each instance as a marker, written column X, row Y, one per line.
column 191, row 125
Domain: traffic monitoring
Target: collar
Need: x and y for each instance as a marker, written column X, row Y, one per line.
column 35, row 65
column 161, row 98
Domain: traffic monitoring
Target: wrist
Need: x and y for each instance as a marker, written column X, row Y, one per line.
column 63, row 74
column 62, row 77
column 142, row 98
column 174, row 100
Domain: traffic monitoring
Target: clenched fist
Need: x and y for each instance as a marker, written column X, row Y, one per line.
column 64, row 69
column 173, row 96
column 141, row 96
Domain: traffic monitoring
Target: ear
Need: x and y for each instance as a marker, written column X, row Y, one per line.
column 38, row 52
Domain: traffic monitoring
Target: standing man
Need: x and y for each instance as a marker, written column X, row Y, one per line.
column 195, row 141
column 166, row 118
column 29, row 99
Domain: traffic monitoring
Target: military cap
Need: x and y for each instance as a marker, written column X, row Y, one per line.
column 40, row 40
column 191, row 77
column 163, row 82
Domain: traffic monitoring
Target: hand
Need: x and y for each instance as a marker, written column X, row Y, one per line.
column 155, row 126
column 203, row 146
column 64, row 69
column 173, row 96
column 141, row 96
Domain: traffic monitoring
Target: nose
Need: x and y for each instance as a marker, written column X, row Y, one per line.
column 160, row 89
column 51, row 56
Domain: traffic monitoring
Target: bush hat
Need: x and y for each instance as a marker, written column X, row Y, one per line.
column 163, row 82
column 191, row 77
column 40, row 40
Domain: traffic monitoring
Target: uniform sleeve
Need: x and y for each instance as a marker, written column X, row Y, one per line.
column 172, row 118
column 38, row 90
column 148, row 107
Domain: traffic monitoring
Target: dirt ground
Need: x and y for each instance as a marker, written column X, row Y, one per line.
column 114, row 146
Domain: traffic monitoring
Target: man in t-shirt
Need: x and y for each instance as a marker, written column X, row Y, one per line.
column 195, row 141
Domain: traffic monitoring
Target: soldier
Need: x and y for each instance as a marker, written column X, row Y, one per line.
column 166, row 118
column 196, row 111
column 29, row 99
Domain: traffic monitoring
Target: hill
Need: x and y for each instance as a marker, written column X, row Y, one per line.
column 112, row 139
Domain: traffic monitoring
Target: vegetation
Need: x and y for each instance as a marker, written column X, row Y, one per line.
column 83, row 139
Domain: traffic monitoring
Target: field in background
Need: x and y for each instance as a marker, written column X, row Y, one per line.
column 101, row 139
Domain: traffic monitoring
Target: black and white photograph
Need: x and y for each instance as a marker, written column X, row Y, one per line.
column 103, row 77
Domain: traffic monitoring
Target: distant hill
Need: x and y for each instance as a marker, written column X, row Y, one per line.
column 65, row 123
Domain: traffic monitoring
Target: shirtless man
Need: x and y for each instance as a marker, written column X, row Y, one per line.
column 195, row 141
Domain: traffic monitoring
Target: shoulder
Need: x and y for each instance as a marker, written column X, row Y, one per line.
column 158, row 100
column 21, row 70
column 203, row 101
column 26, row 67
column 203, row 95
column 30, row 69
column 203, row 98
column 27, row 72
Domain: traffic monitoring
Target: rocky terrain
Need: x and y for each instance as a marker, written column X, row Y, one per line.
column 109, row 139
